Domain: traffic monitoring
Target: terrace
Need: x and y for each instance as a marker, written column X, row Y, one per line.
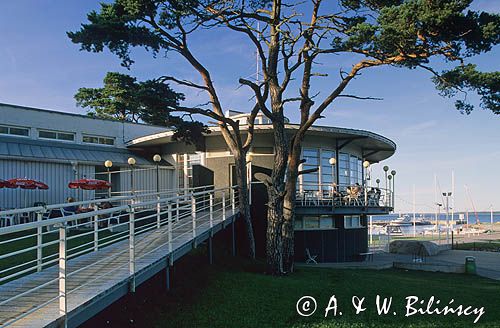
column 336, row 198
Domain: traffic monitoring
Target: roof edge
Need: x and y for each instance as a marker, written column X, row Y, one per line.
column 269, row 127
column 44, row 110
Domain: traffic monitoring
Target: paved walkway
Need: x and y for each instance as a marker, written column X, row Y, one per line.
column 488, row 263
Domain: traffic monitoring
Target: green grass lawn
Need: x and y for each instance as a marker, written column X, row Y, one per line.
column 238, row 294
column 49, row 249
column 79, row 242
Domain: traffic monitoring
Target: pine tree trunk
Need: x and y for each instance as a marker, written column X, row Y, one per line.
column 274, row 243
column 276, row 191
column 244, row 202
column 289, row 207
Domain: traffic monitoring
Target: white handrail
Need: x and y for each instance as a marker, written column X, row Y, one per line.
column 46, row 208
column 196, row 210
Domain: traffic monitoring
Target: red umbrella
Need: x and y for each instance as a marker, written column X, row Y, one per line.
column 4, row 184
column 89, row 184
column 24, row 183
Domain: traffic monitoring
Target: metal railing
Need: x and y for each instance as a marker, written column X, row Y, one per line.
column 314, row 194
column 36, row 246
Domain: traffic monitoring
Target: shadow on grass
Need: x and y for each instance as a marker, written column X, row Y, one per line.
column 235, row 293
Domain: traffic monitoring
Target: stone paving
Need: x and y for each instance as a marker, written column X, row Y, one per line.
column 487, row 263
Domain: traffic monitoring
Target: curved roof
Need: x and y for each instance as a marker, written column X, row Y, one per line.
column 375, row 147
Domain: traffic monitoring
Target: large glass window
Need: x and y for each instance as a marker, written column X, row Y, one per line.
column 310, row 181
column 343, row 169
column 98, row 140
column 317, row 159
column 314, row 222
column 326, row 169
column 353, row 166
column 326, row 222
column 352, row 221
column 185, row 168
column 311, row 222
column 360, row 171
column 350, row 170
column 65, row 136
column 14, row 130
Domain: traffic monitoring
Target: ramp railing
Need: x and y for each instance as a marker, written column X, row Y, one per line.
column 98, row 224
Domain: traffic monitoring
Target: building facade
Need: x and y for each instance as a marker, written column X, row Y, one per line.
column 57, row 147
column 331, row 222
column 334, row 199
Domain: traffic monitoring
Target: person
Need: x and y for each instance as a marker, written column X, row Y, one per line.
column 71, row 208
column 103, row 217
column 105, row 205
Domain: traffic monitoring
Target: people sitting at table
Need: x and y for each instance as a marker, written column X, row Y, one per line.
column 354, row 190
column 358, row 189
column 334, row 190
column 102, row 218
column 105, row 205
column 71, row 209
column 374, row 196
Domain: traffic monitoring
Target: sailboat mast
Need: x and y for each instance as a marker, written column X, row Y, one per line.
column 452, row 198
column 435, row 199
column 414, row 214
column 472, row 203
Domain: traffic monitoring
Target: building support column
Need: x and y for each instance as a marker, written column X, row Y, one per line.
column 233, row 239
column 167, row 275
column 210, row 250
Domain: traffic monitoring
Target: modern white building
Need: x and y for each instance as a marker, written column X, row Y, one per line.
column 56, row 148
column 333, row 200
column 331, row 221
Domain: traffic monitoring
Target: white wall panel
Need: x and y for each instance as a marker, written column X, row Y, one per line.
column 55, row 175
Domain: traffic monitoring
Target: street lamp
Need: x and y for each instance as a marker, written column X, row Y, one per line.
column 388, row 191
column 386, row 168
column 378, row 183
column 249, row 157
column 332, row 162
column 131, row 162
column 108, row 164
column 248, row 166
column 393, row 173
column 157, row 159
column 366, row 166
column 447, row 195
column 438, row 215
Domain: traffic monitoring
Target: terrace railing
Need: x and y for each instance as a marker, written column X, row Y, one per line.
column 314, row 194
column 46, row 242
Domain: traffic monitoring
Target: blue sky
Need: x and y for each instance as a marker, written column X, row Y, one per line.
column 40, row 67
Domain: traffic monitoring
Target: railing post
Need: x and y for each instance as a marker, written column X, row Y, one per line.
column 158, row 211
column 211, row 199
column 366, row 196
column 392, row 195
column 193, row 214
column 177, row 207
column 131, row 239
column 233, row 200
column 169, row 229
column 62, row 274
column 39, row 242
column 96, row 230
column 223, row 205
